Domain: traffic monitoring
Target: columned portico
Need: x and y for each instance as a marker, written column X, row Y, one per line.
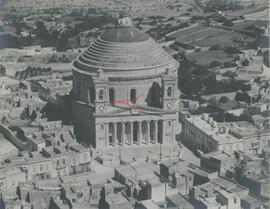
column 133, row 132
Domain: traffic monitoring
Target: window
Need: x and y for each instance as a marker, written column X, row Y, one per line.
column 84, row 157
column 111, row 96
column 101, row 94
column 57, row 163
column 41, row 168
column 235, row 200
column 74, row 161
column 102, row 127
column 169, row 123
column 133, row 96
column 64, row 162
column 169, row 91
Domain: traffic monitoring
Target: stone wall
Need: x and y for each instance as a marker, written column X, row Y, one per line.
column 12, row 138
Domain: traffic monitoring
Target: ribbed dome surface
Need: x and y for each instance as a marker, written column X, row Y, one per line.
column 124, row 51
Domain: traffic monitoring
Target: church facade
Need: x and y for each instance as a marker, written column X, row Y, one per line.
column 125, row 90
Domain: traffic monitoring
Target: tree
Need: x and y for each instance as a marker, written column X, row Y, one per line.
column 18, row 29
column 213, row 101
column 214, row 47
column 240, row 170
column 52, row 59
column 230, row 74
column 242, row 97
column 214, row 64
column 33, row 116
column 224, row 99
column 41, row 31
column 246, row 116
column 245, row 62
column 2, row 70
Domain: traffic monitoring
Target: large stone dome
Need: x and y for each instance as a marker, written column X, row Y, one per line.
column 124, row 51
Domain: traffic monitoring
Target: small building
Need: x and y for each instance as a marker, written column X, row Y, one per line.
column 250, row 202
column 218, row 193
column 178, row 202
column 10, row 177
column 203, row 133
column 141, row 182
column 258, row 184
column 217, row 161
column 117, row 201
column 178, row 177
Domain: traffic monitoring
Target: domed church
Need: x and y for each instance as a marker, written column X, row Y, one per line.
column 125, row 90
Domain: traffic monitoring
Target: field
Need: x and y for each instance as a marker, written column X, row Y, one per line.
column 206, row 57
column 209, row 36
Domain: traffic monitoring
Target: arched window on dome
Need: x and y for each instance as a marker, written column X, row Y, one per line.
column 101, row 94
column 169, row 91
column 111, row 96
column 133, row 96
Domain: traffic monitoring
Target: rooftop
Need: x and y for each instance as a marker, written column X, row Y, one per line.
column 218, row 155
column 211, row 128
column 137, row 171
column 116, row 199
column 178, row 200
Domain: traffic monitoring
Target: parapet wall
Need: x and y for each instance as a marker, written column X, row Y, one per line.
column 12, row 138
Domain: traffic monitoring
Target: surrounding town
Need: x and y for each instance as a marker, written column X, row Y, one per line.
column 220, row 156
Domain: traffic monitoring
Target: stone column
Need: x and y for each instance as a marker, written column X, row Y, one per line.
column 114, row 134
column 148, row 136
column 106, row 125
column 156, row 132
column 139, row 132
column 123, row 134
column 88, row 96
column 131, row 133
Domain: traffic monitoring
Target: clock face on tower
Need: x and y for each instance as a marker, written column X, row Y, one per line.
column 134, row 111
column 169, row 105
column 101, row 108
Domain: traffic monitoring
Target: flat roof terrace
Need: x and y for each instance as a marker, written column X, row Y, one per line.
column 6, row 147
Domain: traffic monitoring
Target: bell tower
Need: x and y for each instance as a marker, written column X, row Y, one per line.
column 170, row 91
column 101, row 92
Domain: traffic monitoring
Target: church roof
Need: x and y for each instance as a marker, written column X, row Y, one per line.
column 124, row 51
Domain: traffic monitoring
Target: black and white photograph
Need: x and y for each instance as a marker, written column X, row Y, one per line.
column 134, row 104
